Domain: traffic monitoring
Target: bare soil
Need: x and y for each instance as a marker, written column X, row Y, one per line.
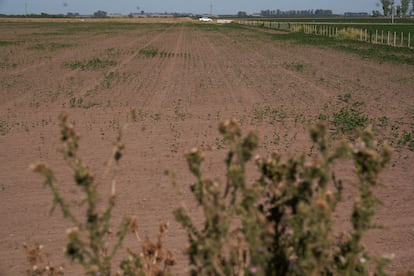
column 206, row 74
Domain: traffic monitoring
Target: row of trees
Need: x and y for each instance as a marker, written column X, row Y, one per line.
column 318, row 12
column 389, row 7
column 97, row 14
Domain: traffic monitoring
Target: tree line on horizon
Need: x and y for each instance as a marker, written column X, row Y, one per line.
column 317, row 12
column 389, row 7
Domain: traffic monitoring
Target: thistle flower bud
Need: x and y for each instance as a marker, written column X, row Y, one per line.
column 72, row 231
column 322, row 204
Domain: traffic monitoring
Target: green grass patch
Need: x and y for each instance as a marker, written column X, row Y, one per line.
column 365, row 21
column 53, row 46
column 350, row 117
column 377, row 52
column 6, row 43
column 4, row 65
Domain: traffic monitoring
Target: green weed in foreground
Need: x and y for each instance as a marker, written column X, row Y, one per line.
column 284, row 218
column 280, row 224
column 88, row 239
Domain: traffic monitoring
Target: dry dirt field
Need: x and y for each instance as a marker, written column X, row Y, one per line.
column 201, row 75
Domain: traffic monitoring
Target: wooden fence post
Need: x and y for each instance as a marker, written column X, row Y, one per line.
column 395, row 39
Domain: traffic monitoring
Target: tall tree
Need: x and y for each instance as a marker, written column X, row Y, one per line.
column 405, row 4
column 100, row 14
column 398, row 10
column 386, row 6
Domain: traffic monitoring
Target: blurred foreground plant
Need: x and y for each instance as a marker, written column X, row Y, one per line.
column 89, row 243
column 281, row 224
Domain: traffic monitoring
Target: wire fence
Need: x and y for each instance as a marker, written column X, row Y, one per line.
column 390, row 38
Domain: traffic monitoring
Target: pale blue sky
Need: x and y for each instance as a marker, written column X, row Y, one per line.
column 194, row 6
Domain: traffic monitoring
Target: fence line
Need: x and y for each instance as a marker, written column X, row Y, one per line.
column 378, row 37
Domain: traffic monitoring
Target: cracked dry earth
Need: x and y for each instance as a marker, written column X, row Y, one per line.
column 201, row 76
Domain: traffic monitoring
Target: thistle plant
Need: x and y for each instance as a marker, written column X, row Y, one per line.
column 88, row 242
column 281, row 224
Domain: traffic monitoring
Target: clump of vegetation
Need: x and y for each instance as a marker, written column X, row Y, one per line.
column 267, row 114
column 294, row 66
column 7, row 43
column 53, row 46
column 88, row 242
column 78, row 102
column 165, row 54
column 149, row 51
column 4, row 127
column 350, row 117
column 92, row 64
column 110, row 78
column 284, row 218
column 407, row 139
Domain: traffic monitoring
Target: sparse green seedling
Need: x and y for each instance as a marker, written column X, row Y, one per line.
column 4, row 128
column 179, row 113
column 345, row 97
column 149, row 51
column 276, row 138
column 294, row 66
column 383, row 121
column 156, row 116
column 109, row 79
column 323, row 117
column 79, row 103
column 92, row 64
column 407, row 139
column 52, row 46
column 267, row 114
column 113, row 52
